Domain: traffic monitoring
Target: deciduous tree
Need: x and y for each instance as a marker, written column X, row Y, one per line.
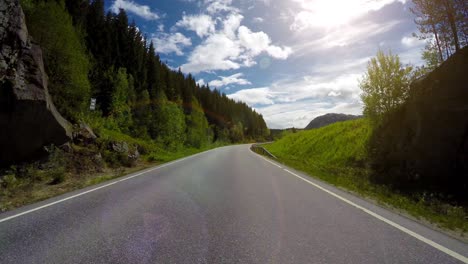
column 385, row 85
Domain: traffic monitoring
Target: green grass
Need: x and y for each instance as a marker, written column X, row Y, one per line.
column 333, row 147
column 337, row 154
column 42, row 183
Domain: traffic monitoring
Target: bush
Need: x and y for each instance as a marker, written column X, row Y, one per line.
column 56, row 165
column 9, row 181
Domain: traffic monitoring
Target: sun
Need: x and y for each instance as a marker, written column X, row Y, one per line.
column 332, row 13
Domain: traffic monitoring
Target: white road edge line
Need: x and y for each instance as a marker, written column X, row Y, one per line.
column 100, row 187
column 271, row 162
column 383, row 219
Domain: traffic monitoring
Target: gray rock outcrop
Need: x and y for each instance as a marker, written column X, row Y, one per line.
column 28, row 118
column 84, row 135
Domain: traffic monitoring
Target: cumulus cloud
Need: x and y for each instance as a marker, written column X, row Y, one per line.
column 202, row 24
column 168, row 43
column 231, row 47
column 258, row 42
column 217, row 52
column 227, row 80
column 231, row 24
column 143, row 11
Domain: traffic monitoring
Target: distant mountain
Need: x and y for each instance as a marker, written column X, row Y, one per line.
column 328, row 119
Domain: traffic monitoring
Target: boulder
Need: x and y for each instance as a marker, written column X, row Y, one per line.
column 133, row 156
column 84, row 135
column 28, row 118
column 120, row 147
column 129, row 153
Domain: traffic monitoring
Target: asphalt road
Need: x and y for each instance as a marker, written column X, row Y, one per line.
column 226, row 205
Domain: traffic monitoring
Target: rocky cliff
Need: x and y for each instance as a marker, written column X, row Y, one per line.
column 28, row 118
column 425, row 143
column 329, row 119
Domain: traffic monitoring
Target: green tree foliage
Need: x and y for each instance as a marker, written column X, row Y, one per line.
column 443, row 24
column 65, row 59
column 197, row 127
column 90, row 52
column 431, row 57
column 237, row 132
column 120, row 108
column 432, row 60
column 143, row 115
column 169, row 122
column 385, row 85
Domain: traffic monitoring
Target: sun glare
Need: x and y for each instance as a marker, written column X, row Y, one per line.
column 332, row 13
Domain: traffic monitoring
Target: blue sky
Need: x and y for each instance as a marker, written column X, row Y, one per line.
column 291, row 60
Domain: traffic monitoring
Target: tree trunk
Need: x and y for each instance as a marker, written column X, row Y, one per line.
column 453, row 26
column 437, row 42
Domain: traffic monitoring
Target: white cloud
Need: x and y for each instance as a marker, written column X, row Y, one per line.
column 278, row 52
column 285, row 102
column 301, row 113
column 254, row 42
column 266, row 2
column 411, row 42
column 255, row 96
column 233, row 79
column 232, row 47
column 412, row 56
column 355, row 65
column 343, row 36
column 168, row 43
column 161, row 27
column 258, row 20
column 231, row 24
column 216, row 6
column 217, row 52
column 143, row 11
column 258, row 42
column 344, row 86
column 201, row 82
column 202, row 24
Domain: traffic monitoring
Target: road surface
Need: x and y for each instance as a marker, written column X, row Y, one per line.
column 226, row 205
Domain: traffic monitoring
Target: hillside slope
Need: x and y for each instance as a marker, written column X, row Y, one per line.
column 329, row 119
column 338, row 155
column 332, row 147
column 424, row 144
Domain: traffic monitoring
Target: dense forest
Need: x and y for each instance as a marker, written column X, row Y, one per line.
column 89, row 53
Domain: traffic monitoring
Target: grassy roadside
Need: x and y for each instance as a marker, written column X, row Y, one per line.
column 337, row 154
column 38, row 184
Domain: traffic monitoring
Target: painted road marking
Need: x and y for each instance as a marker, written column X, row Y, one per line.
column 100, row 187
column 271, row 162
column 383, row 219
